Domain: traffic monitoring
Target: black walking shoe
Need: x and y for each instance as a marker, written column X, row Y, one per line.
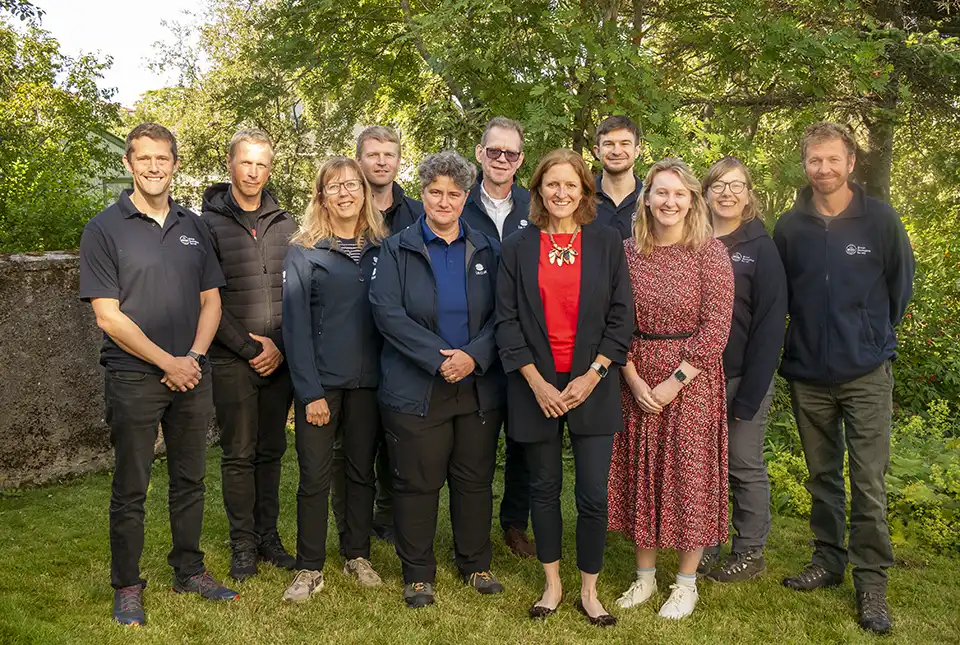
column 707, row 560
column 873, row 611
column 243, row 563
column 204, row 584
column 813, row 577
column 483, row 581
column 739, row 567
column 271, row 550
column 418, row 594
column 128, row 606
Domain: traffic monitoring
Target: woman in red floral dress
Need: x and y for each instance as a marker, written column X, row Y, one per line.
column 668, row 479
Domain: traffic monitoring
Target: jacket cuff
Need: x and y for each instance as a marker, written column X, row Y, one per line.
column 513, row 359
column 742, row 411
column 250, row 350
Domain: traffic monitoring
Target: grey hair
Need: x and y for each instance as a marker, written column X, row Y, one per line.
column 249, row 135
column 503, row 123
column 447, row 164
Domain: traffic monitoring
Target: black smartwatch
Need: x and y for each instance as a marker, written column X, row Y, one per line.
column 680, row 376
column 200, row 358
column 599, row 369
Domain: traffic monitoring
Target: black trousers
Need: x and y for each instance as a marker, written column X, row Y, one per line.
column 455, row 443
column 515, row 504
column 591, row 458
column 252, row 416
column 383, row 509
column 357, row 414
column 136, row 403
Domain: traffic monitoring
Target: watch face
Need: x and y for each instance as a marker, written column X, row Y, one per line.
column 680, row 376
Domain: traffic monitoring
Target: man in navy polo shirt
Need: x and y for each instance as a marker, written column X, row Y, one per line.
column 618, row 187
column 147, row 267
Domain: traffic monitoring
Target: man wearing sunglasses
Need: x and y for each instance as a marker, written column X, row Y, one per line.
column 618, row 187
column 498, row 207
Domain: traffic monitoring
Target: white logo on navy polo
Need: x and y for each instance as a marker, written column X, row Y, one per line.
column 523, row 223
column 188, row 241
column 480, row 269
column 740, row 257
column 853, row 249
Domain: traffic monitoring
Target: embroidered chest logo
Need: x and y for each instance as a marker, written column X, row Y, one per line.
column 480, row 269
column 853, row 249
column 188, row 241
column 743, row 259
column 523, row 223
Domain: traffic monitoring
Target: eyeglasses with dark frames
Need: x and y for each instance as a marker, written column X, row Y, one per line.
column 494, row 153
column 736, row 187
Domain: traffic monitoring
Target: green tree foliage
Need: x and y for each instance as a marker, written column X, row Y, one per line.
column 50, row 113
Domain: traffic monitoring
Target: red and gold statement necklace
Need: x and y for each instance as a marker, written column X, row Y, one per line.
column 561, row 255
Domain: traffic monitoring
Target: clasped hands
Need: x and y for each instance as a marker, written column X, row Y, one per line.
column 654, row 400
column 458, row 365
column 555, row 403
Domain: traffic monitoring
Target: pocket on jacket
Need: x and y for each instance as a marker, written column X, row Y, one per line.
column 867, row 329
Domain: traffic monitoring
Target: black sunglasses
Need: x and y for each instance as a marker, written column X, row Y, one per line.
column 493, row 154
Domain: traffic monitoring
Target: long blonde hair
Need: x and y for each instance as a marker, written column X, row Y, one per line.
column 696, row 224
column 316, row 219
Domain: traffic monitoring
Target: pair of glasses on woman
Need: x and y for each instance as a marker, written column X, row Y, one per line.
column 493, row 154
column 352, row 185
column 736, row 187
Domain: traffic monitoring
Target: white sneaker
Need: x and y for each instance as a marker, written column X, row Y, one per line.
column 681, row 602
column 305, row 584
column 638, row 593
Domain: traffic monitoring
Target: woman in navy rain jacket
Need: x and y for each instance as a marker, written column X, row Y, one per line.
column 334, row 351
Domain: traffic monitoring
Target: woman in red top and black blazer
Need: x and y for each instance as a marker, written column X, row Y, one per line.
column 564, row 316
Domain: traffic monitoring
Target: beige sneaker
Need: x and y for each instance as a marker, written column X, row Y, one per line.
column 639, row 592
column 681, row 602
column 305, row 584
column 362, row 570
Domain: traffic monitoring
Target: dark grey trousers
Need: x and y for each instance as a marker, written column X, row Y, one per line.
column 855, row 417
column 749, row 483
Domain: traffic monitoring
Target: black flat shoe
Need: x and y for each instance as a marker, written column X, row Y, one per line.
column 603, row 620
column 539, row 612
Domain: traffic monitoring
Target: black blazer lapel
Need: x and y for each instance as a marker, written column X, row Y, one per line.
column 591, row 273
column 530, row 274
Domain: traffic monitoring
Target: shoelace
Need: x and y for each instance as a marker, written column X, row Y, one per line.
column 812, row 573
column 678, row 593
column 205, row 582
column 130, row 600
column 483, row 575
column 419, row 587
column 873, row 605
column 738, row 563
column 303, row 578
column 637, row 586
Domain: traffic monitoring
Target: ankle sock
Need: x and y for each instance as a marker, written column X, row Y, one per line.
column 684, row 580
column 647, row 575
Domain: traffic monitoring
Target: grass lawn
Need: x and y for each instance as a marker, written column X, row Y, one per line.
column 54, row 588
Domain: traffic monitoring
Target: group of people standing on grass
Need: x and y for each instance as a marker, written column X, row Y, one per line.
column 645, row 317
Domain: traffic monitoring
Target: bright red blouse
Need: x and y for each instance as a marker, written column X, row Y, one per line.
column 560, row 293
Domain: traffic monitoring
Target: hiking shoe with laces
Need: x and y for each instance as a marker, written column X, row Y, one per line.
column 128, row 606
column 873, row 612
column 306, row 583
column 203, row 583
column 418, row 594
column 812, row 577
column 681, row 602
column 243, row 563
column 484, row 582
column 707, row 560
column 638, row 593
column 362, row 570
column 739, row 567
column 271, row 550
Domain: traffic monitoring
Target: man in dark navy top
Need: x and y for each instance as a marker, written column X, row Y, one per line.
column 618, row 187
column 499, row 207
column 147, row 267
column 849, row 269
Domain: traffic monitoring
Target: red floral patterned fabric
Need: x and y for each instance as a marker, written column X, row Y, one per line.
column 668, row 478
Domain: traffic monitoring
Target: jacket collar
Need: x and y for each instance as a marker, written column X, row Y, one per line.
column 856, row 208
column 218, row 198
column 128, row 209
column 635, row 195
column 744, row 233
column 520, row 196
column 412, row 237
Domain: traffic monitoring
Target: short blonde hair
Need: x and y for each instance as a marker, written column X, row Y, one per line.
column 249, row 135
column 380, row 133
column 696, row 223
column 721, row 167
column 586, row 211
column 316, row 220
